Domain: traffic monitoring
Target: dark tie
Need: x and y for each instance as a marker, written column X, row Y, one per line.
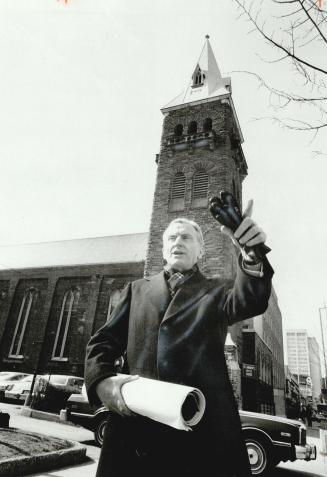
column 175, row 281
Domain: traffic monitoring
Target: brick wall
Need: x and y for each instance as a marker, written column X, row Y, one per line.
column 95, row 284
column 32, row 324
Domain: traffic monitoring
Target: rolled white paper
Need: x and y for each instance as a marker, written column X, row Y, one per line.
column 176, row 405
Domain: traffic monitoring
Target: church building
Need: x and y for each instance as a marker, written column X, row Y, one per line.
column 53, row 296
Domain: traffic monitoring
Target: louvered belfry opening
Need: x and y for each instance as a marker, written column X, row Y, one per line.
column 200, row 189
column 177, row 194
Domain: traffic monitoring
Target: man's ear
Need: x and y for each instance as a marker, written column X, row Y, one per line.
column 201, row 253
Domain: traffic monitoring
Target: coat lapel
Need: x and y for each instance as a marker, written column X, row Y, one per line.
column 158, row 293
column 187, row 295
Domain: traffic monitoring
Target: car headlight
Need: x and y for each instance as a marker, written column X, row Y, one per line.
column 9, row 387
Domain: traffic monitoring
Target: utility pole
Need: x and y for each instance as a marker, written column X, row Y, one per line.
column 322, row 339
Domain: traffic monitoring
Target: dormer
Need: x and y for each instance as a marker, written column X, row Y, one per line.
column 198, row 77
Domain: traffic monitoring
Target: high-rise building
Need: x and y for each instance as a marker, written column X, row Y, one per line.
column 304, row 362
column 269, row 328
column 315, row 368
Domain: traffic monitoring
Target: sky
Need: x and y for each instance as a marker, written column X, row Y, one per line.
column 81, row 87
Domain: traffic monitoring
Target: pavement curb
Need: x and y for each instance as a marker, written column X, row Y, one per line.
column 19, row 466
column 46, row 416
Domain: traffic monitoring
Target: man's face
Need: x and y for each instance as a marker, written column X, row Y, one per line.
column 181, row 248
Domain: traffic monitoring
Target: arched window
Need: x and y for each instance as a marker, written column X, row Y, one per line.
column 178, row 130
column 200, row 189
column 192, row 127
column 114, row 299
column 207, row 125
column 58, row 352
column 177, row 192
column 24, row 311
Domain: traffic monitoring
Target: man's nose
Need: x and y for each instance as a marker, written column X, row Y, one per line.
column 178, row 240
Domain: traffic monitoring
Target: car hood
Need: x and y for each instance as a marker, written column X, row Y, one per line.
column 269, row 417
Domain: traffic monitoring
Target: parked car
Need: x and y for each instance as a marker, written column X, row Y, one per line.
column 51, row 392
column 273, row 439
column 269, row 439
column 19, row 390
column 8, row 379
column 70, row 383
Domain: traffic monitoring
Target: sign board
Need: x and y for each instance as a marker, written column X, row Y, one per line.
column 248, row 370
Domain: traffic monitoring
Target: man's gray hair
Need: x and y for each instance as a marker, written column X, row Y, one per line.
column 182, row 220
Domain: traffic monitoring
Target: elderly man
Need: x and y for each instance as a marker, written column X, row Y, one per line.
column 172, row 327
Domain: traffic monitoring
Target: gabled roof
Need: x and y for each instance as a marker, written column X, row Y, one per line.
column 87, row 251
column 213, row 83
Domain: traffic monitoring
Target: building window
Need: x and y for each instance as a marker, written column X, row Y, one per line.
column 192, row 127
column 24, row 312
column 200, row 189
column 114, row 299
column 58, row 352
column 177, row 192
column 178, row 130
column 207, row 125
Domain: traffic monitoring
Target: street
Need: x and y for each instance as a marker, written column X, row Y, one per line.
column 317, row 468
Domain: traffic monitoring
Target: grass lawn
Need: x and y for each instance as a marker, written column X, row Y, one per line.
column 17, row 443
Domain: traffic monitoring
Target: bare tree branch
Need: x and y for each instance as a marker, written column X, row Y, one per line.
column 270, row 39
column 283, row 94
column 312, row 21
column 293, row 28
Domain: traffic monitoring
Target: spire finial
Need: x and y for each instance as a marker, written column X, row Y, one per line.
column 207, row 37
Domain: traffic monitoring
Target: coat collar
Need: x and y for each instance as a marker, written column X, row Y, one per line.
column 191, row 291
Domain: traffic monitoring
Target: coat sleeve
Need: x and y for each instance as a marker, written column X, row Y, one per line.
column 106, row 345
column 248, row 296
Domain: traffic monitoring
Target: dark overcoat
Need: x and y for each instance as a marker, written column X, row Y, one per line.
column 180, row 340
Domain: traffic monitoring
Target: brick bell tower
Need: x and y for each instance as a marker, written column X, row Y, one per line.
column 200, row 155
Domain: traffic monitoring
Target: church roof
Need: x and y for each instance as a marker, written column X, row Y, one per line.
column 211, row 85
column 87, row 251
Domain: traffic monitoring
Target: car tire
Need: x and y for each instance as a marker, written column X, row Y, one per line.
column 99, row 429
column 259, row 456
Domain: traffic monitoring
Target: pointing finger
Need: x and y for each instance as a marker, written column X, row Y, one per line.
column 248, row 209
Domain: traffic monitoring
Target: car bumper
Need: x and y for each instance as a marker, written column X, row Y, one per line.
column 306, row 452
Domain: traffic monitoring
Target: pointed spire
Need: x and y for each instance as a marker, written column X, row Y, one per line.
column 208, row 65
column 207, row 81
